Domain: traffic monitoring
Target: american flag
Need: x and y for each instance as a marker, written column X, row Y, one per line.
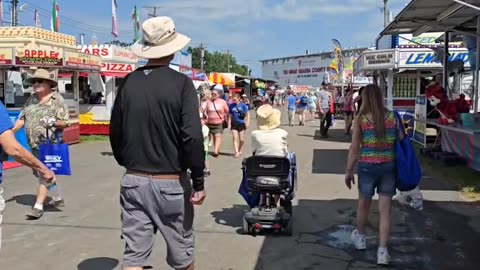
column 114, row 18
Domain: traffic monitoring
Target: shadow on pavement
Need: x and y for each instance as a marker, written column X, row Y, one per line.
column 222, row 154
column 443, row 236
column 100, row 263
column 329, row 161
column 24, row 199
column 29, row 200
column 231, row 216
column 305, row 135
column 334, row 135
column 110, row 154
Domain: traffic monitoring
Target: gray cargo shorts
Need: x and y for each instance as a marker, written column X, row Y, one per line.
column 148, row 205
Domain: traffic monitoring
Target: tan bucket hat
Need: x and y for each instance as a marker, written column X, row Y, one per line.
column 160, row 39
column 268, row 118
column 43, row 74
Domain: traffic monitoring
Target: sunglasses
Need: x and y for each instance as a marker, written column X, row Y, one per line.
column 37, row 81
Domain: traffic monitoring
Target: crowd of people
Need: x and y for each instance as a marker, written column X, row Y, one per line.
column 157, row 193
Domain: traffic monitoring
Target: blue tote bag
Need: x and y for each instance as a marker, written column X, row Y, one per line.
column 409, row 172
column 251, row 199
column 55, row 156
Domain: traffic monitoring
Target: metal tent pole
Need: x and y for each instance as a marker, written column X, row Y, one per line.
column 477, row 69
column 445, row 64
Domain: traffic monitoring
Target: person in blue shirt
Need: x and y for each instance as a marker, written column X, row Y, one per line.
column 302, row 103
column 291, row 106
column 240, row 121
column 12, row 148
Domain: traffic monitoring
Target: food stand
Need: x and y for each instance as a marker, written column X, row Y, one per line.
column 197, row 76
column 117, row 62
column 400, row 72
column 25, row 48
column 458, row 139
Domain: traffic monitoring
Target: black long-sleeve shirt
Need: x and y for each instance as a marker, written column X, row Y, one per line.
column 155, row 125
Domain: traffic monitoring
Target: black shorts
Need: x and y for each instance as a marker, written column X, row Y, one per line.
column 238, row 126
column 348, row 113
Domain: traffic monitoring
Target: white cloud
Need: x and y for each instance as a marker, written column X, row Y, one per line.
column 373, row 25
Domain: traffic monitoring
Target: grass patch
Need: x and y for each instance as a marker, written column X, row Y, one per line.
column 94, row 138
column 467, row 179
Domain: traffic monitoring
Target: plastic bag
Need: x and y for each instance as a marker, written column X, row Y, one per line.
column 412, row 198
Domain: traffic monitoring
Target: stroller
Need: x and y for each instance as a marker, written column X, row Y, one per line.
column 264, row 177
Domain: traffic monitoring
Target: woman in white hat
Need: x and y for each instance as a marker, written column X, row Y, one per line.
column 269, row 139
column 44, row 109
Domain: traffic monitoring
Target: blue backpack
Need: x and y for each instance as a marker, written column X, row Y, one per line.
column 409, row 172
column 304, row 100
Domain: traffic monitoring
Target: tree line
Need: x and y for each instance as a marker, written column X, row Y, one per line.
column 217, row 62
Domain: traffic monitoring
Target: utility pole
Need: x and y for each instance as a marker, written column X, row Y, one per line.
column 385, row 13
column 202, row 56
column 14, row 13
column 154, row 14
column 228, row 61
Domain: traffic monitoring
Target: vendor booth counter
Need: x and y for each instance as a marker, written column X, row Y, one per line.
column 23, row 49
column 117, row 62
column 403, row 69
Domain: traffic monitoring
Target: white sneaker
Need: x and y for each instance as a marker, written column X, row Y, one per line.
column 359, row 240
column 383, row 258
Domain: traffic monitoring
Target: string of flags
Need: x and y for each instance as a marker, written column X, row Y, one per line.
column 55, row 19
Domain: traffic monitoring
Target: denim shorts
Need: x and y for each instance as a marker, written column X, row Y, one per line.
column 380, row 177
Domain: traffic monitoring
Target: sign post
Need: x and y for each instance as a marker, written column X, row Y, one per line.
column 420, row 127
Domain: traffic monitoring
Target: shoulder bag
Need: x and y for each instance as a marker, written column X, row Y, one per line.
column 224, row 122
column 409, row 172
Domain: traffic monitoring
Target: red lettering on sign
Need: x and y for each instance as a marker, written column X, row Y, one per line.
column 41, row 54
column 97, row 51
column 111, row 67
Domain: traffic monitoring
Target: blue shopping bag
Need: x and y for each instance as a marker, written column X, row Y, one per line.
column 55, row 156
column 251, row 199
column 409, row 172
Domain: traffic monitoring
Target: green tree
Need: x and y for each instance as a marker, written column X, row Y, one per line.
column 120, row 43
column 217, row 61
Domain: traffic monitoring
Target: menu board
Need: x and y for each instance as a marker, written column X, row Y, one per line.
column 404, row 86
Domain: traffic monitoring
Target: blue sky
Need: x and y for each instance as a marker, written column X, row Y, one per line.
column 251, row 29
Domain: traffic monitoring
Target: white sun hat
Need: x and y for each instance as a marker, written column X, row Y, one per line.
column 160, row 39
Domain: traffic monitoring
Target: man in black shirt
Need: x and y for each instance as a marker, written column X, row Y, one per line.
column 156, row 134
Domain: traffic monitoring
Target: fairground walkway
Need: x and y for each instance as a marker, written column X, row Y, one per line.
column 85, row 235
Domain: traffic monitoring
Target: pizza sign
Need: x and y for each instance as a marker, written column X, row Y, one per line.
column 39, row 57
column 117, row 67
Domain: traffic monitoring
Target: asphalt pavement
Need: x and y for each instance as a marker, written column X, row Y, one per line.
column 85, row 235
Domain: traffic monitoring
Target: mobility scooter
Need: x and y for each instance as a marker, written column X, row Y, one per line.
column 268, row 186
